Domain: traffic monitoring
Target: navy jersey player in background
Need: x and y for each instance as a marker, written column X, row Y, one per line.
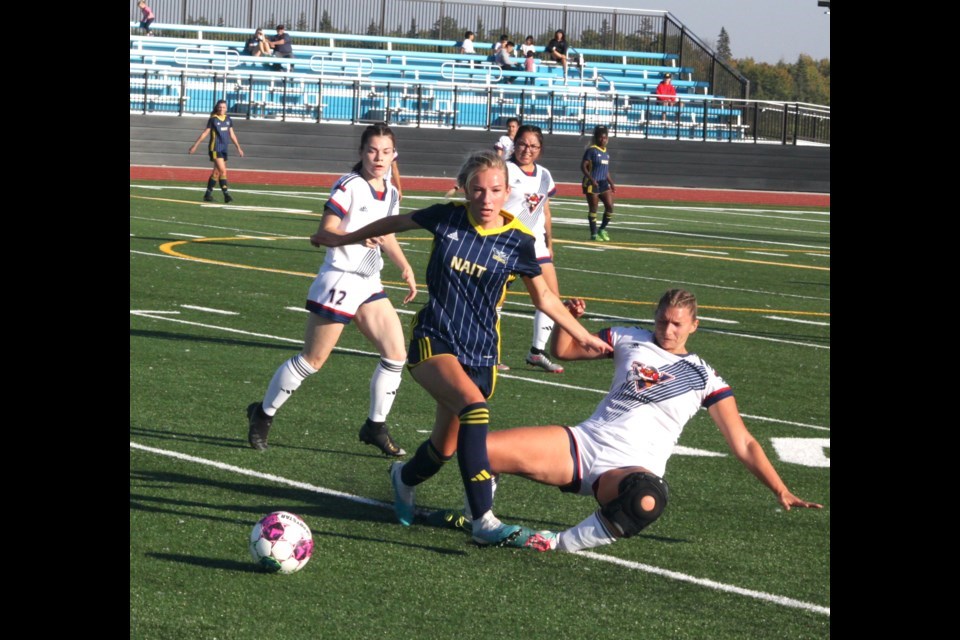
column 347, row 289
column 619, row 454
column 219, row 128
column 453, row 350
column 598, row 183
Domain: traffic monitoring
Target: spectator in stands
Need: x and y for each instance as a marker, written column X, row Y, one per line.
column 257, row 45
column 508, row 62
column 556, row 50
column 467, row 45
column 219, row 128
column 497, row 46
column 146, row 17
column 282, row 45
column 504, row 145
column 666, row 93
column 530, row 65
column 528, row 46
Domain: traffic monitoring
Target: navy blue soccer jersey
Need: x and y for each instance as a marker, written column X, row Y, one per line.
column 466, row 275
column 219, row 133
column 599, row 162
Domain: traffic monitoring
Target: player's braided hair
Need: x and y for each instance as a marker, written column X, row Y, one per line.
column 677, row 298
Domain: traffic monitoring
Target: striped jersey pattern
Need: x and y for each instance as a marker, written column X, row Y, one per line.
column 466, row 275
column 599, row 162
column 357, row 204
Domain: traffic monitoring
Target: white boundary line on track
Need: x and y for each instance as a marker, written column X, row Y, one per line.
column 637, row 566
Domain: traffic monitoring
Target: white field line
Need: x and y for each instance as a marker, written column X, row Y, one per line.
column 711, row 584
column 767, row 253
column 699, row 285
column 716, row 253
column 209, row 310
column 819, row 324
column 674, row 575
column 149, row 314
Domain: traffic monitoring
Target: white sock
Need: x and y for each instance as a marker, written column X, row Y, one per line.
column 383, row 388
column 487, row 523
column 587, row 534
column 493, row 494
column 542, row 326
column 285, row 381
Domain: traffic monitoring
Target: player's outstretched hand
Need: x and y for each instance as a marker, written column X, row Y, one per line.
column 411, row 281
column 789, row 500
column 576, row 306
column 593, row 343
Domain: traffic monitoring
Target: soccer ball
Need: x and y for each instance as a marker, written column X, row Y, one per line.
column 281, row 542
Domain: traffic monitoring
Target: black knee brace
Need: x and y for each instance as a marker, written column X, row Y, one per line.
column 625, row 512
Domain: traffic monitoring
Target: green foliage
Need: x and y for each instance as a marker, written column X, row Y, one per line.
column 804, row 81
column 723, row 46
column 326, row 24
column 445, row 29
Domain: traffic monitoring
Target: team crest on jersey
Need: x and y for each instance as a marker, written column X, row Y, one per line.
column 499, row 256
column 646, row 375
column 533, row 199
column 453, row 235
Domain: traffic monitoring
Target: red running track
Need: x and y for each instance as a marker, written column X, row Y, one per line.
column 678, row 194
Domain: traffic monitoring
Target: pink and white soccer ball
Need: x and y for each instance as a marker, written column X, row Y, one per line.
column 281, row 542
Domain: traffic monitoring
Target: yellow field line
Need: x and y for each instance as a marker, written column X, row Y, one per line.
column 168, row 248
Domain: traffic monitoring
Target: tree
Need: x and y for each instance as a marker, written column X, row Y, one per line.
column 326, row 24
column 373, row 29
column 445, row 29
column 723, row 46
column 413, row 33
column 809, row 84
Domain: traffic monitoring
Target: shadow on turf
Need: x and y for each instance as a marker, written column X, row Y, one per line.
column 309, row 505
column 240, row 442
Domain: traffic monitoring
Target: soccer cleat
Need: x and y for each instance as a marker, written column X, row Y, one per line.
column 449, row 519
column 502, row 536
column 260, row 424
column 207, row 197
column 403, row 496
column 502, row 367
column 539, row 541
column 227, row 198
column 541, row 360
column 594, row 237
column 380, row 437
column 603, row 235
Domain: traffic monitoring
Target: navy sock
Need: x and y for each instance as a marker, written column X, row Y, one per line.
column 472, row 457
column 426, row 462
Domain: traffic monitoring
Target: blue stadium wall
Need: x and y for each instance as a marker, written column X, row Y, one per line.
column 333, row 148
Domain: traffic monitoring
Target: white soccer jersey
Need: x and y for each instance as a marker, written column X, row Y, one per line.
column 528, row 196
column 505, row 144
column 357, row 204
column 653, row 395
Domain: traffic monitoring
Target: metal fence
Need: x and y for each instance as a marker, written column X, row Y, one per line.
column 587, row 27
column 308, row 98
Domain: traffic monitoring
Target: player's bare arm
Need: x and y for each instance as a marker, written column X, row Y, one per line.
column 333, row 238
column 546, row 301
column 743, row 445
